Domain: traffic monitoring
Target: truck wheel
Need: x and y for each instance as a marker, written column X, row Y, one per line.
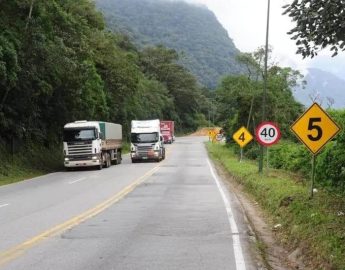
column 118, row 158
column 134, row 161
column 100, row 166
column 107, row 160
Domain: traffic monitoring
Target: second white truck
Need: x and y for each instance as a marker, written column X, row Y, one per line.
column 146, row 141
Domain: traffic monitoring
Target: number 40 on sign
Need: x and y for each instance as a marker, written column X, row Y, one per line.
column 267, row 133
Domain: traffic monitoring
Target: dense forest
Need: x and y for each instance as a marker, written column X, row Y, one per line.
column 59, row 64
column 192, row 30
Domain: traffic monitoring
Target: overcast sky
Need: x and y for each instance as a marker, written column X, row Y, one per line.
column 245, row 21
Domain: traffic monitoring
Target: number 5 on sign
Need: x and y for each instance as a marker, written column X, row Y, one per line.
column 315, row 128
column 242, row 137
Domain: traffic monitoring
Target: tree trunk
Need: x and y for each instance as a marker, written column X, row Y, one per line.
column 30, row 13
column 4, row 99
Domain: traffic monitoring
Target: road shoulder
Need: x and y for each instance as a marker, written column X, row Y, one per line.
column 268, row 252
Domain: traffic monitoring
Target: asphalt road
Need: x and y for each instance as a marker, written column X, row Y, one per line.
column 170, row 215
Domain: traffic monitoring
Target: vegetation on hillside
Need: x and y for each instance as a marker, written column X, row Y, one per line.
column 239, row 98
column 58, row 64
column 192, row 30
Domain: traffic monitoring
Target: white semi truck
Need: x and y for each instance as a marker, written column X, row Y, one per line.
column 146, row 141
column 92, row 144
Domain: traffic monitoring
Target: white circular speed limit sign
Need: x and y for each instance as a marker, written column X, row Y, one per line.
column 267, row 133
column 219, row 137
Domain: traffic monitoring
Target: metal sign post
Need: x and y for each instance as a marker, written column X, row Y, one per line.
column 313, row 176
column 267, row 134
column 261, row 159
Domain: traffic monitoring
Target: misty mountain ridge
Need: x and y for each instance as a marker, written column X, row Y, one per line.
column 193, row 30
column 322, row 87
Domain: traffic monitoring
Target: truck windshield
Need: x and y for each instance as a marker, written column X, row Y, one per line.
column 70, row 135
column 144, row 137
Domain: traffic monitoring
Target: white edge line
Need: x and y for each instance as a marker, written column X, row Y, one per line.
column 4, row 205
column 77, row 180
column 236, row 242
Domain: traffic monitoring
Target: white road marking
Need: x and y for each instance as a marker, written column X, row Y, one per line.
column 77, row 180
column 4, row 205
column 236, row 242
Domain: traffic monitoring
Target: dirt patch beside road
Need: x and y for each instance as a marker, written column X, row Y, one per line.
column 204, row 131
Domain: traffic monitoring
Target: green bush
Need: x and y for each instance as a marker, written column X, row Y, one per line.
column 27, row 161
column 330, row 165
column 290, row 156
column 330, row 168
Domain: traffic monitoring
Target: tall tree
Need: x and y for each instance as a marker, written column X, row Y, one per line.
column 318, row 24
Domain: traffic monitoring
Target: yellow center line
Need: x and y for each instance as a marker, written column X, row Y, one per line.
column 18, row 250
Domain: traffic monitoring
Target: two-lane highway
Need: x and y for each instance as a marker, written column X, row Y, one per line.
column 169, row 215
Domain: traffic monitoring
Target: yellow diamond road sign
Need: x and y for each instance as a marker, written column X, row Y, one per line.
column 315, row 128
column 242, row 137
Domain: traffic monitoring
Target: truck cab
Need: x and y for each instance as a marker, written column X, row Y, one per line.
column 167, row 130
column 146, row 141
column 91, row 144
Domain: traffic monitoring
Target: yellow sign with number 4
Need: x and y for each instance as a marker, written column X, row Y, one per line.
column 242, row 137
column 315, row 128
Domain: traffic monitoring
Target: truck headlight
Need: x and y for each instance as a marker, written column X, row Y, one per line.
column 66, row 159
column 156, row 147
column 133, row 148
column 94, row 157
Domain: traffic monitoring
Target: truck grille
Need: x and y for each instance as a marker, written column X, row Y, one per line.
column 144, row 149
column 79, row 149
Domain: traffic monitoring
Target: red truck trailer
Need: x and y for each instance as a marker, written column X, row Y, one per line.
column 168, row 131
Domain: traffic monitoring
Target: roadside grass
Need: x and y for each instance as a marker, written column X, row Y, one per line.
column 316, row 227
column 126, row 148
column 28, row 163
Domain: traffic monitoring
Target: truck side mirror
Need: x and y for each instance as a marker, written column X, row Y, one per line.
column 101, row 136
column 161, row 139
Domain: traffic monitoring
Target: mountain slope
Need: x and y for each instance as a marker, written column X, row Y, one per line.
column 327, row 88
column 193, row 30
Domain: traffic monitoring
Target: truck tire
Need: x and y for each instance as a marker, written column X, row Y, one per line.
column 119, row 161
column 100, row 166
column 134, row 161
column 118, row 158
column 107, row 160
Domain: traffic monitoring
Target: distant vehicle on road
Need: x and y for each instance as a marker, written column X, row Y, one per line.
column 168, row 131
column 146, row 140
column 87, row 144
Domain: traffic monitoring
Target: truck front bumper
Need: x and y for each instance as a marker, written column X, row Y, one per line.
column 81, row 163
column 152, row 155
